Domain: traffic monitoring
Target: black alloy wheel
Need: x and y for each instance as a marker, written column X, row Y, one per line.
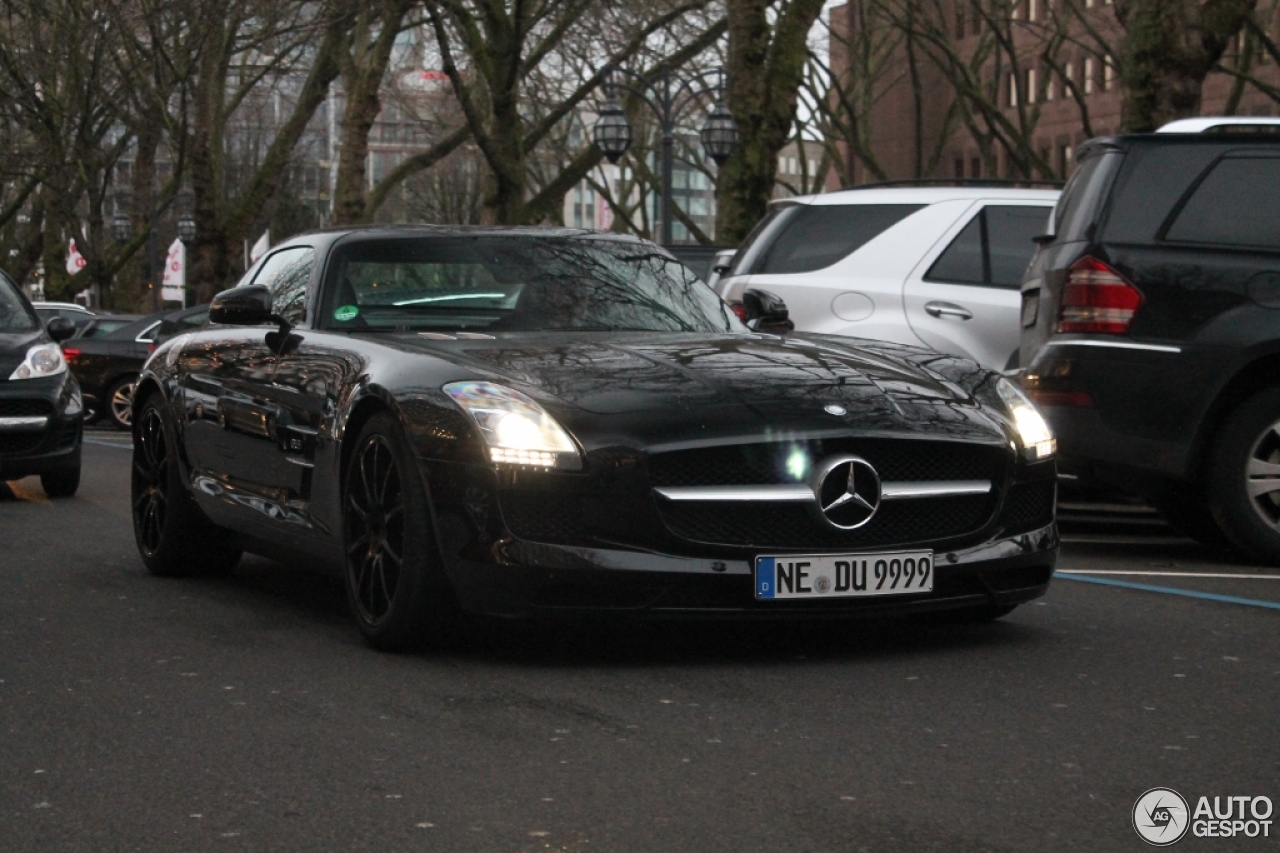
column 395, row 587
column 173, row 536
column 150, row 482
column 1243, row 478
column 118, row 406
column 375, row 530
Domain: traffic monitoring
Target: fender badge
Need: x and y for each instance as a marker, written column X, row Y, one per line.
column 833, row 409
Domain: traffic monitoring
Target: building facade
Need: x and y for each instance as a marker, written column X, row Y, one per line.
column 1008, row 88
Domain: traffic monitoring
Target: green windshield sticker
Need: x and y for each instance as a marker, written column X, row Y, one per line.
column 345, row 313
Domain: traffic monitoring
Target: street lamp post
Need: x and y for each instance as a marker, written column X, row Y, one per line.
column 667, row 96
column 122, row 230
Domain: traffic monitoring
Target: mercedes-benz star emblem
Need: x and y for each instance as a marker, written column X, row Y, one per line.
column 847, row 490
column 834, row 409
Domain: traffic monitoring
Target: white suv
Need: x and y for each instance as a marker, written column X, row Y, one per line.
column 921, row 264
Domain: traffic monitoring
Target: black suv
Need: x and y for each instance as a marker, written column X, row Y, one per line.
column 1151, row 327
column 41, row 410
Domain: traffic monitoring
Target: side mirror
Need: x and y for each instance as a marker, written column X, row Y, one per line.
column 766, row 312
column 241, row 306
column 60, row 328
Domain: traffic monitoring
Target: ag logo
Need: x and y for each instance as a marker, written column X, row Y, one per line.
column 1160, row 816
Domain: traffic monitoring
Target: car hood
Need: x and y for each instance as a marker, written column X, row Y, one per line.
column 707, row 385
column 13, row 349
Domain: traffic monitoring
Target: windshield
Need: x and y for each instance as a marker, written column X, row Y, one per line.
column 15, row 314
column 499, row 283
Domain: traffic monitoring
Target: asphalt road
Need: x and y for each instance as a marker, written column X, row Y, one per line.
column 244, row 713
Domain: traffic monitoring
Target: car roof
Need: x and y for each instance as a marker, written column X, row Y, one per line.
column 925, row 195
column 425, row 230
column 65, row 306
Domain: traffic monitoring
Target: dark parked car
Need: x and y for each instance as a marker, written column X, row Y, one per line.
column 524, row 422
column 104, row 324
column 40, row 402
column 77, row 314
column 107, row 365
column 1151, row 327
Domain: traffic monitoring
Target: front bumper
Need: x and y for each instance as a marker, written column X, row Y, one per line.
column 28, row 448
column 525, row 579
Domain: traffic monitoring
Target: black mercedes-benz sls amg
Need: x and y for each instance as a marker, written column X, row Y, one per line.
column 530, row 422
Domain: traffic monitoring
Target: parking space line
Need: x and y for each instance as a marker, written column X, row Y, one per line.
column 117, row 444
column 1169, row 590
column 1168, row 574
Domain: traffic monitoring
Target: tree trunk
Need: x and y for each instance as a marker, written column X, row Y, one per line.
column 766, row 66
column 1170, row 46
column 364, row 64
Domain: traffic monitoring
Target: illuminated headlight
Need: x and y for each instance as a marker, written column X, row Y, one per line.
column 1033, row 430
column 516, row 429
column 41, row 361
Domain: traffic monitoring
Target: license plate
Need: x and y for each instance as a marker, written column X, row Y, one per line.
column 843, row 575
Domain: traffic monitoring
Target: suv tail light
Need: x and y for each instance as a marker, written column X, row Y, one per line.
column 70, row 354
column 739, row 309
column 1097, row 299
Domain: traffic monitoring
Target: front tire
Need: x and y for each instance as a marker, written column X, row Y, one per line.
column 61, row 484
column 1243, row 479
column 396, row 589
column 1186, row 508
column 173, row 536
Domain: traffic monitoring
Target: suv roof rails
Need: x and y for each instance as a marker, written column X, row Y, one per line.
column 1006, row 183
column 1223, row 124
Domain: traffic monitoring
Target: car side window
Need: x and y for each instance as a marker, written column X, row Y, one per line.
column 1233, row 205
column 286, row 274
column 192, row 322
column 963, row 262
column 993, row 250
column 817, row 236
column 1009, row 245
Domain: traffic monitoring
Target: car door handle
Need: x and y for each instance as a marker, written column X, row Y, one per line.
column 947, row 309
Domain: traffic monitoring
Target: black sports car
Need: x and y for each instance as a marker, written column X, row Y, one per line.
column 536, row 422
column 41, row 410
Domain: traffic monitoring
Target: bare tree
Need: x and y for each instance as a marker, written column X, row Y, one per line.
column 244, row 48
column 491, row 49
column 768, row 52
column 1170, row 46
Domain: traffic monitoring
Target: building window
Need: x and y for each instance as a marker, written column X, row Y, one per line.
column 1108, row 73
column 1064, row 160
column 1049, row 84
column 960, row 19
column 1088, row 75
column 1031, row 85
column 1013, row 90
column 959, row 167
column 1031, row 10
column 975, row 167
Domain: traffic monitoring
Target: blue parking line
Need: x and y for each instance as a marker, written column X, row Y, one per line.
column 116, row 444
column 1209, row 596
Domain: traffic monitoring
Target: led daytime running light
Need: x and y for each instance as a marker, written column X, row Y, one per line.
column 1033, row 430
column 516, row 429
